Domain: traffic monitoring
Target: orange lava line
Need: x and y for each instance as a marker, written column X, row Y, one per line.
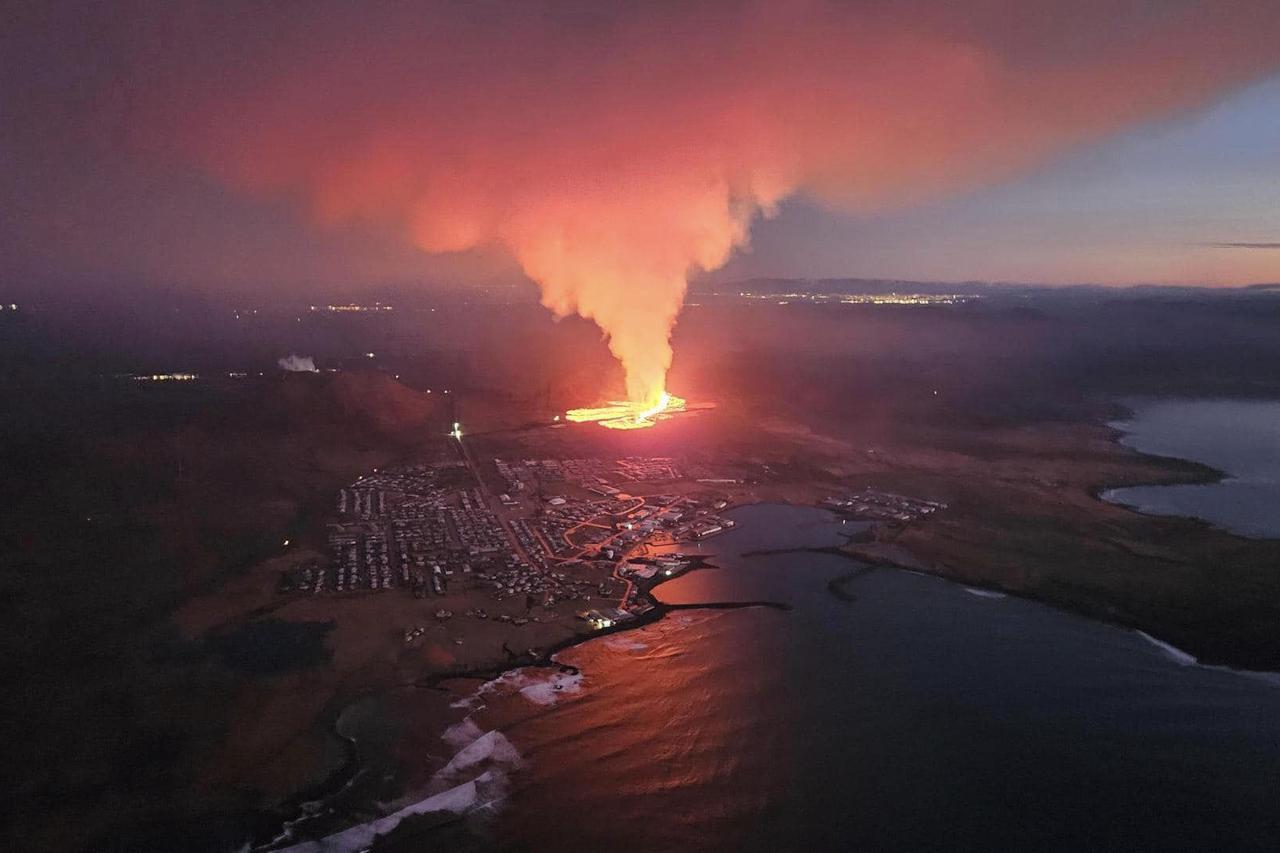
column 621, row 414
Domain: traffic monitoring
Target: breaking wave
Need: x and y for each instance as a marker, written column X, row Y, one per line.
column 460, row 734
column 1178, row 656
column 475, row 779
column 458, row 800
column 537, row 686
column 1173, row 653
column 492, row 750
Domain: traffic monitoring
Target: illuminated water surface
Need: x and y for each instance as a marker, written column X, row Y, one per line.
column 919, row 716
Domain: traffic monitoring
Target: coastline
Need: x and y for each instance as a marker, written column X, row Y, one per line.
column 1181, row 654
column 867, row 564
column 316, row 797
column 1192, row 473
column 897, row 556
column 1049, row 536
column 1169, row 497
column 546, row 659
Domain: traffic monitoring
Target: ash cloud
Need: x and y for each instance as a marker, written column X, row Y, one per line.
column 614, row 150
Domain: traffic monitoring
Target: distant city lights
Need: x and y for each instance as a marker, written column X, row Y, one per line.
column 863, row 298
column 164, row 377
column 352, row 308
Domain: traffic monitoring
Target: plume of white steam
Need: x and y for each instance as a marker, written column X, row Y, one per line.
column 298, row 364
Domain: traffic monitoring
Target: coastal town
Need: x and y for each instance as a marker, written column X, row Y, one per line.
column 569, row 544
column 476, row 563
column 519, row 542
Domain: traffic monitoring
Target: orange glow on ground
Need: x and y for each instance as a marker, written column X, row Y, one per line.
column 621, row 414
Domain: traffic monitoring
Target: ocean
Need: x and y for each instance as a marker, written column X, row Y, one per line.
column 1239, row 437
column 920, row 715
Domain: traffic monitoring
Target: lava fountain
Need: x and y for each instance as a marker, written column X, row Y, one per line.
column 622, row 414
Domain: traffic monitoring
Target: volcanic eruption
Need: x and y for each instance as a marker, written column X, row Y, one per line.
column 624, row 414
column 613, row 151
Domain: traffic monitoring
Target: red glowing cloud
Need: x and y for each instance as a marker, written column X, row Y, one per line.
column 614, row 152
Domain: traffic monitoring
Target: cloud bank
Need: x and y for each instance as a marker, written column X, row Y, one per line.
column 1245, row 245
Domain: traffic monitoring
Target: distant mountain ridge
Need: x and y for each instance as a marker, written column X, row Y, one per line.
column 870, row 286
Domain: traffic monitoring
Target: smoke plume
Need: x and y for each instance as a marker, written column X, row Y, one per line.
column 615, row 150
column 297, row 364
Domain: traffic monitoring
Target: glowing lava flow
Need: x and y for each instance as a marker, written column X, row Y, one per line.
column 620, row 414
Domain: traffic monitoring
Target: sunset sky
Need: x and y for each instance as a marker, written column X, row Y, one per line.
column 221, row 145
column 1159, row 203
